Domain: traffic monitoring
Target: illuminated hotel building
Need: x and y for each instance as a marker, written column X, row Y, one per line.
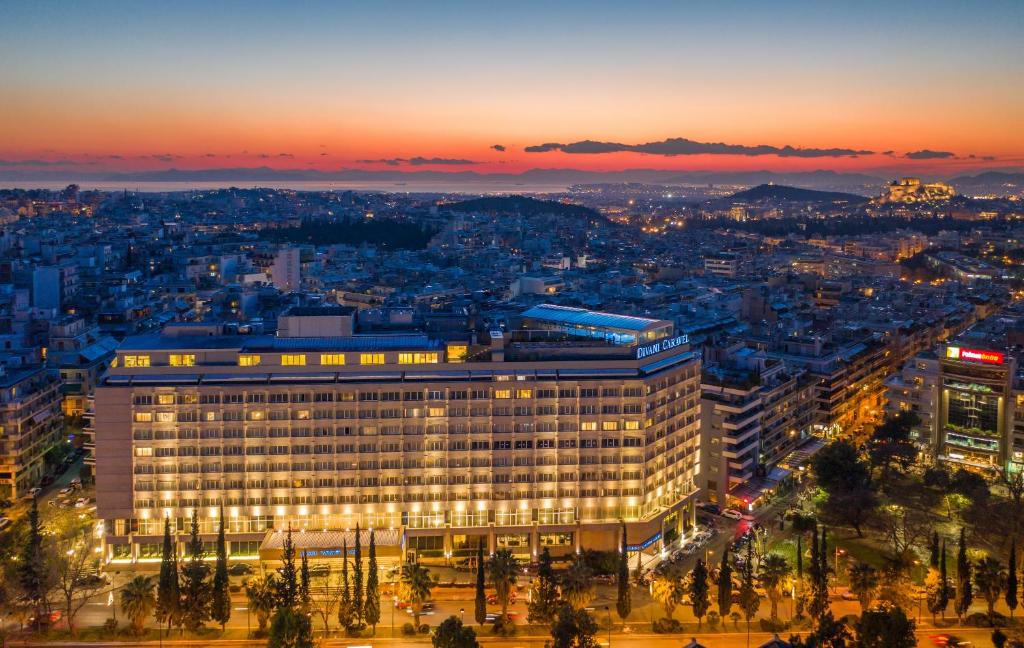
column 969, row 394
column 549, row 432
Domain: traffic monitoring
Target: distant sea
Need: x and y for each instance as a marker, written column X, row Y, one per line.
column 412, row 186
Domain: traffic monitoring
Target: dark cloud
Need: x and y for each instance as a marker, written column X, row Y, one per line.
column 682, row 146
column 418, row 161
column 286, row 155
column 889, row 153
column 499, row 148
column 36, row 163
column 210, row 155
column 115, row 157
column 927, row 154
column 323, row 154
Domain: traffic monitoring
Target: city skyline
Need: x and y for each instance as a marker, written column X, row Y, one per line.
column 101, row 87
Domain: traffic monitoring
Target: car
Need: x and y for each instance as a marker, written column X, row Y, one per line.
column 240, row 569
column 46, row 480
column 75, row 483
column 732, row 514
column 81, row 502
column 67, row 490
column 45, row 620
column 492, row 599
column 948, row 640
column 33, row 492
column 4, row 523
column 847, row 595
column 710, row 508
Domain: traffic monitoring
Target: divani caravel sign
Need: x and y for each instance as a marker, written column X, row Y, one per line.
column 661, row 345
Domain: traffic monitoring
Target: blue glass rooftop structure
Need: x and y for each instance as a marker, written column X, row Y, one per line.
column 616, row 329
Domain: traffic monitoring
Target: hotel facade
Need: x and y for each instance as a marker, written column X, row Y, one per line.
column 549, row 432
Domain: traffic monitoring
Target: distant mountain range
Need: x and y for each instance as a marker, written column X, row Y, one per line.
column 794, row 194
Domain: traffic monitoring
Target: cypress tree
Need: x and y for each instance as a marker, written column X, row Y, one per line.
column 623, row 603
column 1011, row 579
column 933, row 553
column 480, row 601
column 220, row 605
column 288, row 583
column 345, row 606
column 168, row 596
column 371, row 607
column 964, row 595
column 944, row 579
column 304, row 580
column 31, row 565
column 699, row 592
column 800, row 600
column 544, row 602
column 357, row 579
column 725, row 586
column 195, row 590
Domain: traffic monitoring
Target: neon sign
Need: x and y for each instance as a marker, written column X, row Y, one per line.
column 975, row 355
column 659, row 346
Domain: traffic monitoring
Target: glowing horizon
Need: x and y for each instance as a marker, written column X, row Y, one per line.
column 110, row 87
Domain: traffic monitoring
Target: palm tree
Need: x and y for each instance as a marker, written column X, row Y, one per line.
column 578, row 585
column 504, row 570
column 138, row 599
column 262, row 594
column 668, row 587
column 990, row 578
column 774, row 571
column 864, row 583
column 415, row 588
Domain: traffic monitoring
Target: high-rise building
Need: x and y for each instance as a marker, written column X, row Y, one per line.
column 30, row 424
column 286, row 273
column 549, row 433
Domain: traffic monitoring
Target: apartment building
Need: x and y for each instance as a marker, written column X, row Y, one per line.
column 548, row 433
column 30, row 424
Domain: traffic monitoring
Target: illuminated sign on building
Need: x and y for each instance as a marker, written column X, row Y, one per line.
column 659, row 346
column 974, row 355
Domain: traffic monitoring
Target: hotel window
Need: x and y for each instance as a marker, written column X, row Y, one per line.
column 332, row 358
column 589, row 426
column 182, row 360
column 136, row 361
column 417, row 358
column 165, row 399
column 435, row 411
column 248, row 360
column 524, row 393
column 293, row 360
column 610, row 426
column 143, row 452
column 503, row 393
column 632, row 425
column 371, row 358
column 457, row 352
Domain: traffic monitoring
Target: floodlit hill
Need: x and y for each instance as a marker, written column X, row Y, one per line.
column 794, row 194
column 520, row 205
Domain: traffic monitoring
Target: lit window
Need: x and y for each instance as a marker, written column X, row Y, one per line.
column 143, row 452
column 165, row 417
column 457, row 352
column 165, row 399
column 136, row 361
column 632, row 425
column 332, row 358
column 293, row 360
column 588, row 426
column 610, row 426
column 248, row 360
column 417, row 358
column 143, row 417
column 503, row 393
column 182, row 360
column 435, row 411
column 524, row 393
column 371, row 358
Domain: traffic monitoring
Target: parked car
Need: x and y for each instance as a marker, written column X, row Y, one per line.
column 75, row 483
column 240, row 569
column 6, row 503
column 67, row 490
column 732, row 514
column 710, row 508
column 948, row 640
column 45, row 620
column 492, row 599
column 4, row 523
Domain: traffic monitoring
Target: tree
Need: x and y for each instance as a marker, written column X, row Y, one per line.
column 890, row 443
column 749, row 600
column 371, row 607
column 578, row 584
column 774, row 572
column 415, row 588
column 291, row 628
column 937, row 586
column 357, row 580
column 262, row 594
column 1011, row 579
column 964, row 595
column 933, row 551
column 846, row 481
column 220, row 604
column 990, row 580
column 74, row 556
column 304, row 598
column 325, row 598
column 999, row 638
column 346, row 612
column 573, row 628
column 195, row 590
column 504, row 572
column 668, row 587
column 623, row 604
column 452, row 634
column 971, row 485
column 886, row 627
column 725, row 585
column 800, row 595
column 818, row 576
column 138, row 600
column 35, row 579
column 830, row 633
column 168, row 594
column 544, row 603
column 480, row 599
column 288, row 583
column 863, row 583
column 699, row 591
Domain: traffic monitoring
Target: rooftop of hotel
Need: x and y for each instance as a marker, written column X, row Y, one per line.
column 569, row 315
